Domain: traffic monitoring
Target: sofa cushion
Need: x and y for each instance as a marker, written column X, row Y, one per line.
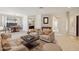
column 31, row 30
column 0, row 45
column 46, row 31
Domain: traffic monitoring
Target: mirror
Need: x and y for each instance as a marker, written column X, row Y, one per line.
column 45, row 20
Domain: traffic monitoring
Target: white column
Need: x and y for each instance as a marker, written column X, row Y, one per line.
column 38, row 22
column 25, row 23
column 4, row 20
column 68, row 22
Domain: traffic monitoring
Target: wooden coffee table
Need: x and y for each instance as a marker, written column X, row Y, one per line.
column 30, row 41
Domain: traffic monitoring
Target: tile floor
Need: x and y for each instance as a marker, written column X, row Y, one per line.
column 68, row 43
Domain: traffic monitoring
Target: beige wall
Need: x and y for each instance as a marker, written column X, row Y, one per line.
column 61, row 26
column 61, row 19
column 38, row 22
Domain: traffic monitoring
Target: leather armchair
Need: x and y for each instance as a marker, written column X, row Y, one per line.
column 8, row 44
column 47, row 35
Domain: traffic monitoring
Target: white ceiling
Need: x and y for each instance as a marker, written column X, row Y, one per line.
column 36, row 10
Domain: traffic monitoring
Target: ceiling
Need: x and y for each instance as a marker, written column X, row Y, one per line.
column 36, row 10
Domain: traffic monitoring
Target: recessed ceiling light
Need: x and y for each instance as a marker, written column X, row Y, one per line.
column 41, row 7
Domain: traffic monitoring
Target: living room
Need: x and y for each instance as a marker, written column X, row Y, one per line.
column 47, row 28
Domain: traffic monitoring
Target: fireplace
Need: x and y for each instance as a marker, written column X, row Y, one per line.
column 31, row 27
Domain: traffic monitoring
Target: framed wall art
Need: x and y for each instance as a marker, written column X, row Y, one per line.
column 45, row 20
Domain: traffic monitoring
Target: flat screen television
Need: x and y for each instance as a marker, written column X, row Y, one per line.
column 11, row 24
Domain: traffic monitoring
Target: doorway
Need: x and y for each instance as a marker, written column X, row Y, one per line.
column 77, row 25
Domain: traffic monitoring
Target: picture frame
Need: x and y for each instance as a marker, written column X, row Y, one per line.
column 45, row 20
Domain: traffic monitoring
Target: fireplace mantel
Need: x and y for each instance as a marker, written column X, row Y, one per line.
column 46, row 28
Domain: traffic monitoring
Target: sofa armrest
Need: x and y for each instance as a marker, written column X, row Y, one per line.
column 0, row 45
column 52, row 36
